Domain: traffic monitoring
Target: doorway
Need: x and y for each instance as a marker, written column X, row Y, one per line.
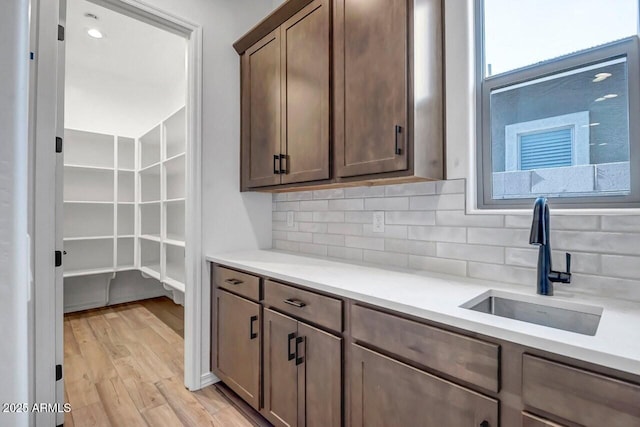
column 131, row 216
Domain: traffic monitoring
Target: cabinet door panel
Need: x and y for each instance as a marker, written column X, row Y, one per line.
column 261, row 111
column 305, row 84
column 385, row 393
column 372, row 86
column 238, row 345
column 322, row 377
column 280, row 371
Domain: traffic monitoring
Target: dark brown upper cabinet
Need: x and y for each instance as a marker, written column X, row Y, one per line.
column 285, row 101
column 342, row 91
column 388, row 100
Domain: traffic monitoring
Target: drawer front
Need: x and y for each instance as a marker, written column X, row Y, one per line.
column 471, row 360
column 580, row 396
column 324, row 311
column 529, row 420
column 237, row 282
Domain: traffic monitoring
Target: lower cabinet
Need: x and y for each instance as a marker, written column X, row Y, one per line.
column 237, row 361
column 302, row 373
column 386, row 392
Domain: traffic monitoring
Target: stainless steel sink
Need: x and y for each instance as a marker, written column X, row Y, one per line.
column 579, row 318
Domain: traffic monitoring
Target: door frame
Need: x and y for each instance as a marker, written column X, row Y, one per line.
column 46, row 99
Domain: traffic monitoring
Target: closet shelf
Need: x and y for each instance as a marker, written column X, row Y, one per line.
column 176, row 200
column 126, row 170
column 126, row 268
column 179, row 286
column 150, row 169
column 71, row 239
column 126, row 203
column 89, row 202
column 76, row 273
column 152, row 237
column 150, row 202
column 177, row 156
column 174, row 242
column 126, row 236
column 151, row 270
column 89, row 167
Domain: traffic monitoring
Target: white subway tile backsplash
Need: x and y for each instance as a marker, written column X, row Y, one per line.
column 313, row 249
column 393, row 231
column 438, row 234
column 328, row 216
column 385, row 258
column 346, row 205
column 358, row 192
column 410, row 217
column 490, row 254
column 341, row 252
column 438, row 265
column 451, row 186
column 621, row 223
column 345, row 229
column 621, row 266
column 387, row 204
column 375, row 243
column 461, row 219
column 329, row 239
column 410, row 189
column 314, row 205
column 438, row 202
column 427, row 228
column 365, row 217
column 331, row 193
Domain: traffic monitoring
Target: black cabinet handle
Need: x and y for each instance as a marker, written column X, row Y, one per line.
column 484, row 423
column 283, row 170
column 294, row 302
column 252, row 335
column 398, row 133
column 290, row 354
column 276, row 168
column 299, row 359
column 233, row 281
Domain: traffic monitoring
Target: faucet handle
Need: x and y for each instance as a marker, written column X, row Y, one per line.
column 568, row 263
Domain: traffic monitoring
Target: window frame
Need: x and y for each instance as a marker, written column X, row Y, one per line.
column 629, row 48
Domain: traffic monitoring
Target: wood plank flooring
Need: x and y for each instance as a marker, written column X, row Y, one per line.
column 123, row 366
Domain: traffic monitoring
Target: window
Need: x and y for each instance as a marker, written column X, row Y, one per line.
column 559, row 103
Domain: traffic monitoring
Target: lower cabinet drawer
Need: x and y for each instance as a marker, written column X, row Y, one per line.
column 385, row 392
column 468, row 359
column 579, row 396
column 529, row 420
column 237, row 282
column 319, row 309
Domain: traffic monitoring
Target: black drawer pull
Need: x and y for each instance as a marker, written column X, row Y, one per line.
column 283, row 170
column 277, row 164
column 299, row 359
column 295, row 302
column 290, row 354
column 252, row 335
column 485, row 423
column 398, row 133
column 233, row 281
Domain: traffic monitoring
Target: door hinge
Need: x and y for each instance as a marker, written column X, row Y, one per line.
column 58, row 372
column 58, row 258
column 60, row 33
column 58, row 144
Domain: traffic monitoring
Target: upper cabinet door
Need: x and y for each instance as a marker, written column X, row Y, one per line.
column 305, row 93
column 371, row 86
column 261, row 112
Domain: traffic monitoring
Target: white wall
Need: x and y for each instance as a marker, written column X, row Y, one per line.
column 14, row 259
column 231, row 220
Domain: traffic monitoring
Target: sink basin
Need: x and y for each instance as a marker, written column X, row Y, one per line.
column 578, row 318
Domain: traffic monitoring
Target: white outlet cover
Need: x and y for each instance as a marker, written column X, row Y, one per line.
column 378, row 222
column 290, row 219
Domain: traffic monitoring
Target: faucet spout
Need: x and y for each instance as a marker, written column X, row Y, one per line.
column 540, row 236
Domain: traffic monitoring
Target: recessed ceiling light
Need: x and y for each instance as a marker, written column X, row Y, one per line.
column 601, row 76
column 611, row 95
column 601, row 99
column 604, row 143
column 95, row 33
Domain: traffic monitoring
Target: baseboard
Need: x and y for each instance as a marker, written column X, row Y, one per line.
column 121, row 300
column 84, row 306
column 208, row 379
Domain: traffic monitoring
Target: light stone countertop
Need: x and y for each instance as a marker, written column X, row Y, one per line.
column 438, row 297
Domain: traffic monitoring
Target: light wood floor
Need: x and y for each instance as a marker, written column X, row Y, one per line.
column 124, row 367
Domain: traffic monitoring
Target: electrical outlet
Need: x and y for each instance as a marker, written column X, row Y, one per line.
column 290, row 219
column 378, row 222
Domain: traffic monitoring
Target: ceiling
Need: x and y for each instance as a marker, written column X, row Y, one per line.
column 126, row 82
